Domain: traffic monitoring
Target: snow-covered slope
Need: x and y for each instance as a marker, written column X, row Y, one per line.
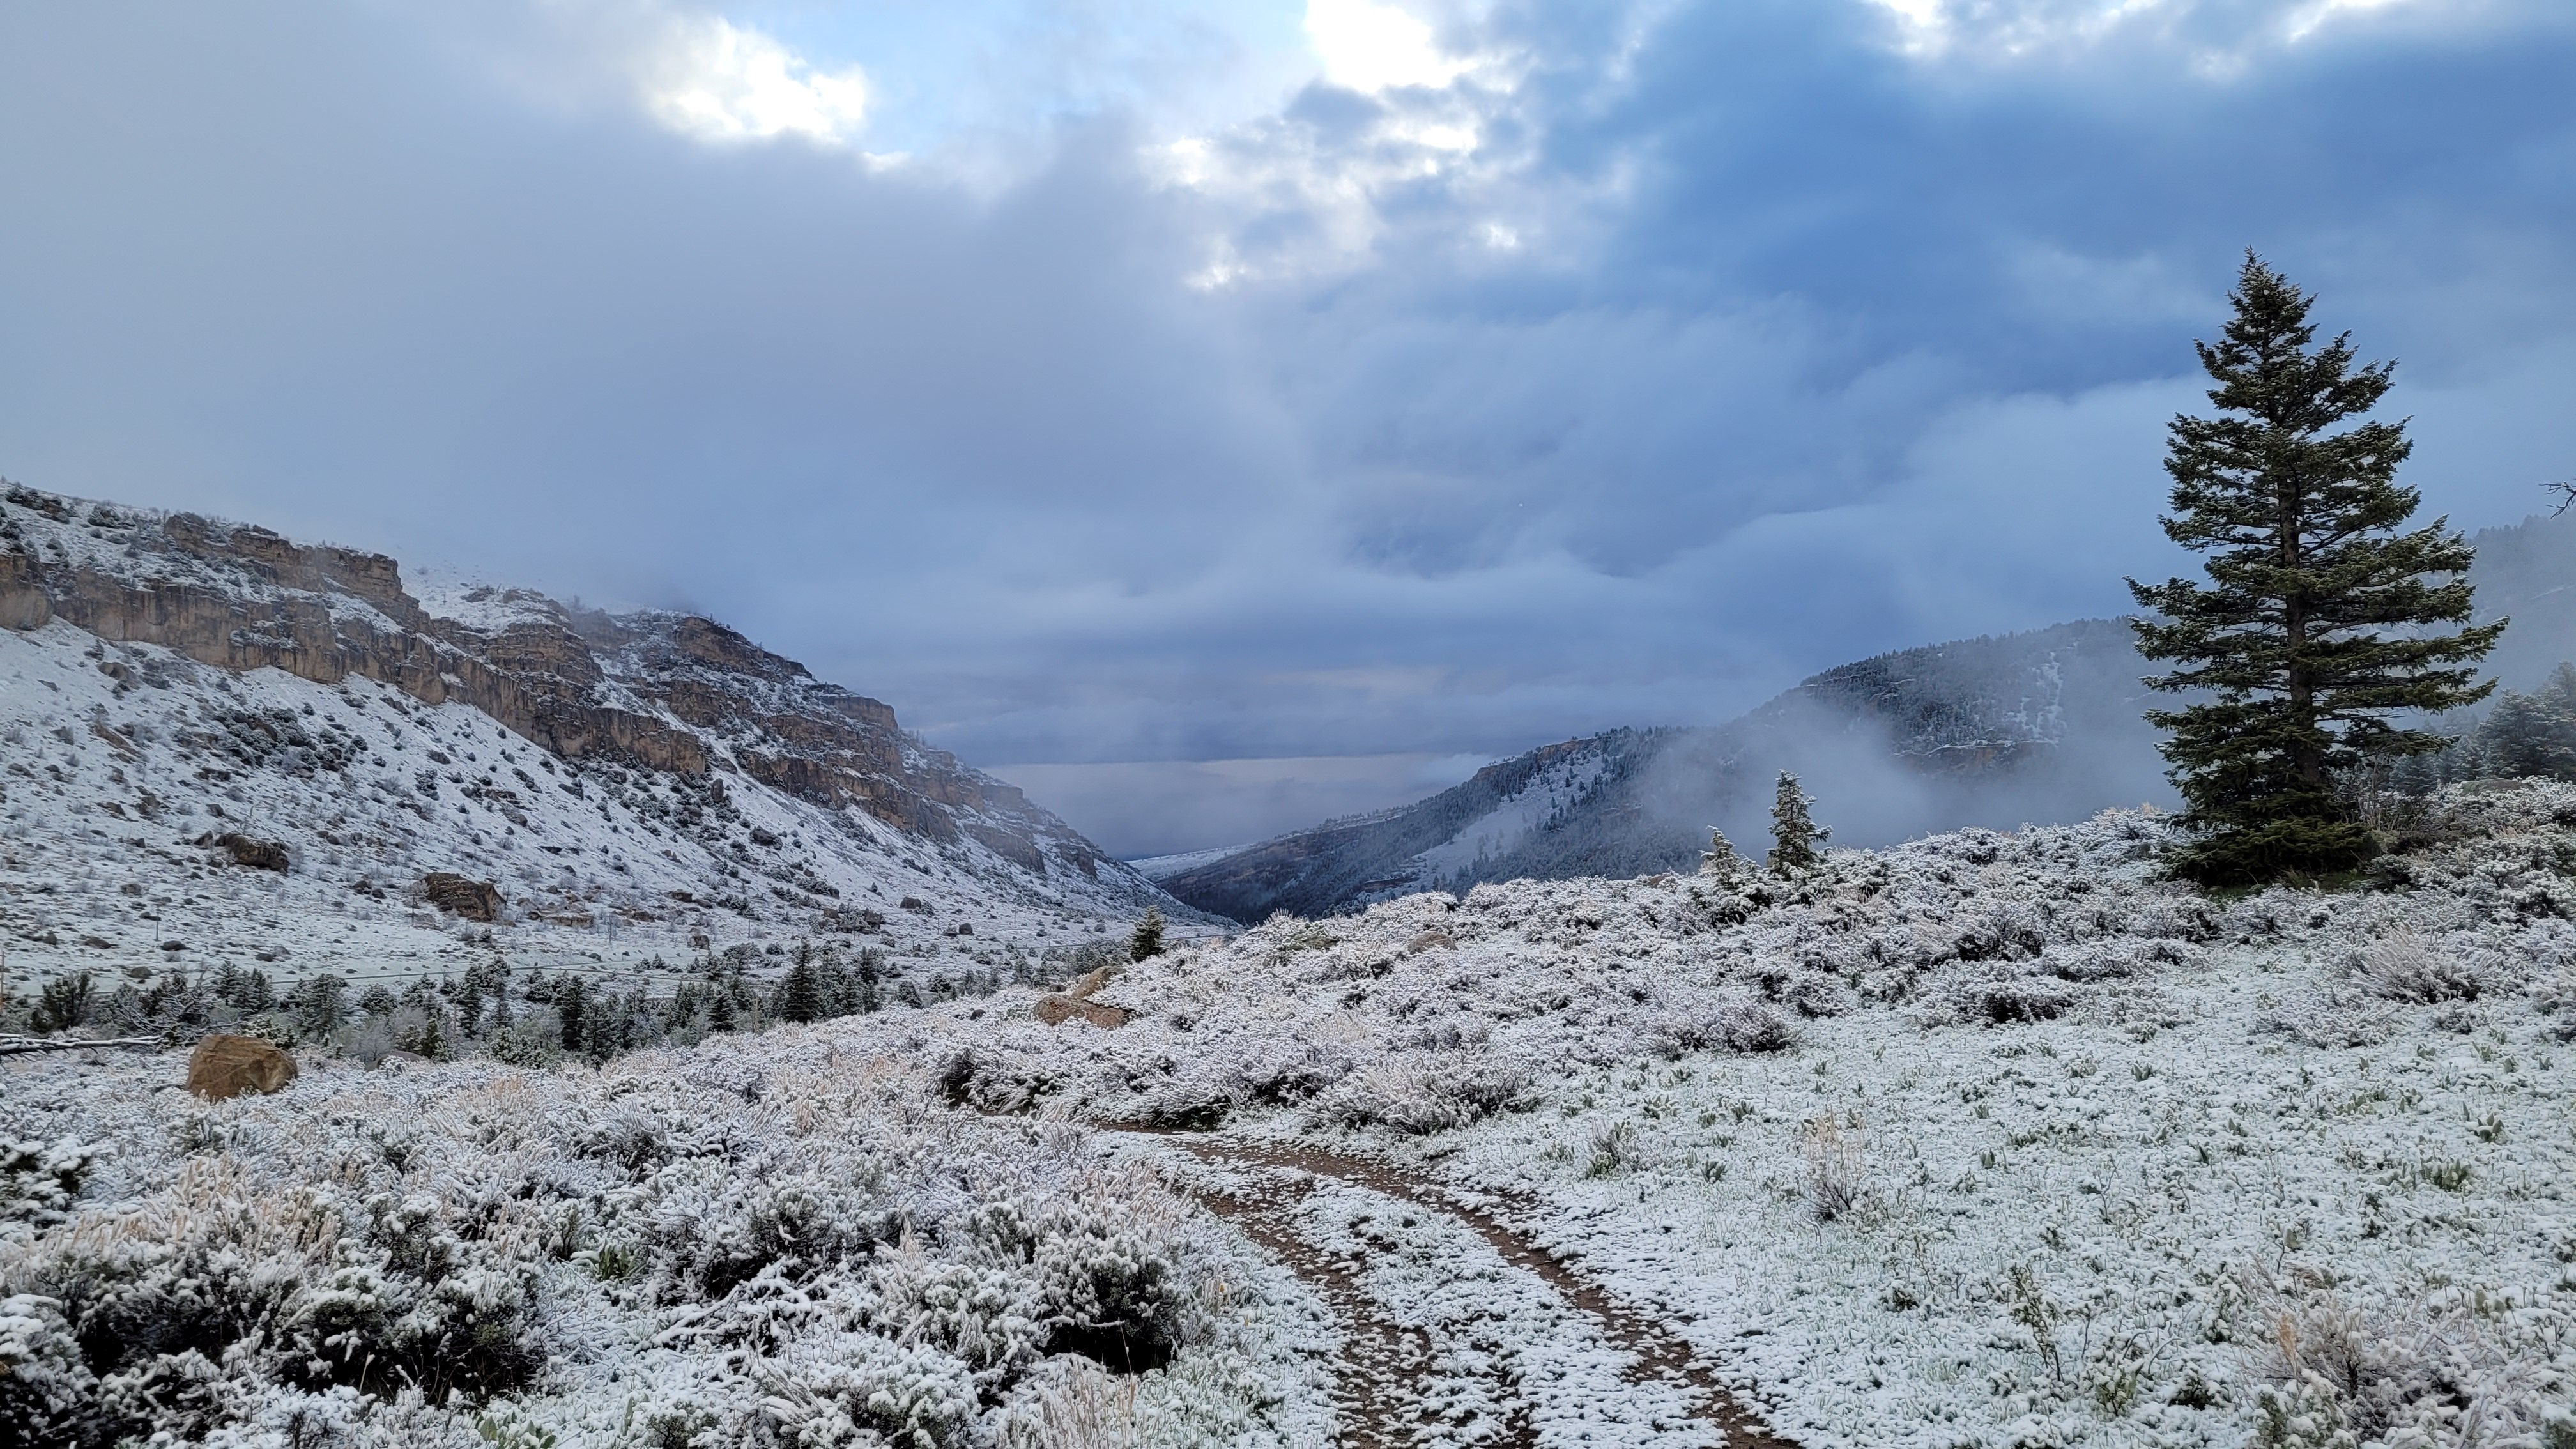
column 638, row 785
column 1982, row 1140
column 2034, row 727
column 1985, row 1140
column 1993, row 731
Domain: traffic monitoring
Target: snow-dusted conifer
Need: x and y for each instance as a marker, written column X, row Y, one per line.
column 1720, row 862
column 1794, row 833
column 2315, row 625
column 800, row 997
column 2531, row 734
column 1148, row 939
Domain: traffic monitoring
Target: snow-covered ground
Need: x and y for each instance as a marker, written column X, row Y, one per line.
column 1985, row 1140
column 789, row 1246
column 115, row 759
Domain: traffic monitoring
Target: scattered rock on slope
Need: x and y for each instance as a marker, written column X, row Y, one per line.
column 253, row 852
column 475, row 900
column 1056, row 1008
column 223, row 1067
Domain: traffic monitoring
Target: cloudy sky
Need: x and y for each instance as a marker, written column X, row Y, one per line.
column 1218, row 416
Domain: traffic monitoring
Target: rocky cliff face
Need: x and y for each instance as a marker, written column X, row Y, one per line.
column 657, row 691
column 645, row 784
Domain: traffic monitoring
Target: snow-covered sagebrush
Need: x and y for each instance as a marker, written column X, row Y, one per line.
column 1982, row 1140
column 789, row 1245
column 1985, row 1140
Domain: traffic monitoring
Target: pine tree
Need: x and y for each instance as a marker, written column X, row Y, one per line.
column 572, row 1003
column 321, row 1006
column 1148, row 939
column 64, row 1002
column 800, row 996
column 1720, row 862
column 2528, row 734
column 2312, row 628
column 1794, row 836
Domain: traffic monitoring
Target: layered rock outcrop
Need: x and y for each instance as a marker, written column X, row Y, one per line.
column 668, row 692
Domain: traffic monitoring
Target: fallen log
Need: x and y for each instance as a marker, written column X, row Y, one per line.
column 19, row 1046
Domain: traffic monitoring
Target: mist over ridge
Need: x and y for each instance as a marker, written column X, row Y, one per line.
column 2040, row 727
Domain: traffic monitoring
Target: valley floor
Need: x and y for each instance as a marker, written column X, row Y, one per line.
column 1985, row 1140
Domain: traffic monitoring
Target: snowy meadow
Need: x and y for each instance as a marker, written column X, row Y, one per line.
column 1984, row 1140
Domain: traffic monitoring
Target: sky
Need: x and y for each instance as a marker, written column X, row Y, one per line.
column 1217, row 417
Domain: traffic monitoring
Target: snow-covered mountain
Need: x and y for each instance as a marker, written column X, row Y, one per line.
column 1980, row 732
column 2037, row 727
column 218, row 742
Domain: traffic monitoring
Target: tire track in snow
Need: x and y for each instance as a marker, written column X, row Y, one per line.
column 1382, row 1353
column 1380, row 1356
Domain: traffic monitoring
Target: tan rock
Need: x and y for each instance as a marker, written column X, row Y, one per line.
column 253, row 852
column 1091, row 981
column 475, row 900
column 1056, row 1008
column 223, row 1067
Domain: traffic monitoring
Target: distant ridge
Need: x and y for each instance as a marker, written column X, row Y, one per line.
column 1999, row 731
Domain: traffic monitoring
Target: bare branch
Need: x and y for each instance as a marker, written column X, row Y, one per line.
column 2566, row 495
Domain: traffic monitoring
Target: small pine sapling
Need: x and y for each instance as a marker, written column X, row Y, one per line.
column 1720, row 862
column 64, row 1003
column 1794, row 833
column 1148, row 938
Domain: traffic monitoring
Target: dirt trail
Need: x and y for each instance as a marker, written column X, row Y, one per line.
column 1381, row 1353
column 1380, row 1356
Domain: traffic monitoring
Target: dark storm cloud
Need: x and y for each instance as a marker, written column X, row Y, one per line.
column 1738, row 343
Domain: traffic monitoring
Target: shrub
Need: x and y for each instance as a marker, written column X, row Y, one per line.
column 2387, row 1372
column 865, row 1390
column 1737, row 1026
column 1753, row 1027
column 46, row 1390
column 2329, row 1018
column 1433, row 1093
column 2403, row 966
column 1833, row 1159
column 2003, row 1000
column 38, row 1182
column 1615, row 1149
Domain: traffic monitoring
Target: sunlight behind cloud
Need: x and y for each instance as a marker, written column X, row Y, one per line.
column 719, row 82
column 1374, row 47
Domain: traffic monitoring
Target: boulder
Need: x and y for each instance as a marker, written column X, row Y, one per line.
column 1056, row 1008
column 253, row 852
column 475, row 900
column 223, row 1067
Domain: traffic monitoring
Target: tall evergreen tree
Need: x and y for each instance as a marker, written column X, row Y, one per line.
column 1794, row 834
column 2316, row 623
column 1719, row 861
column 800, row 993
